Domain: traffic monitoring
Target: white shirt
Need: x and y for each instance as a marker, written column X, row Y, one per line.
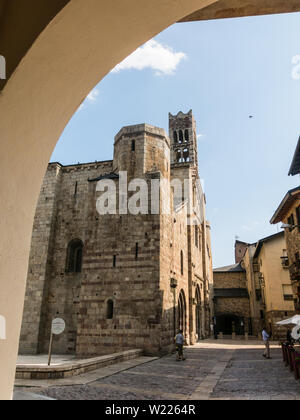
column 265, row 335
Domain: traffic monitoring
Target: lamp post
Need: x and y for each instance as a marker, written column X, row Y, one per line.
column 287, row 226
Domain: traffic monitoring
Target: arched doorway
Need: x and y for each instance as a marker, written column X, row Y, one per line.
column 74, row 256
column 181, row 319
column 198, row 313
column 230, row 323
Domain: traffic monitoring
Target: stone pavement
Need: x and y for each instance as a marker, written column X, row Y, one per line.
column 213, row 370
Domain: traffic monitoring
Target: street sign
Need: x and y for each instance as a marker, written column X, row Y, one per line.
column 58, row 326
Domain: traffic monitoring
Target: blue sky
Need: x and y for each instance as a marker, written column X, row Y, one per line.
column 225, row 70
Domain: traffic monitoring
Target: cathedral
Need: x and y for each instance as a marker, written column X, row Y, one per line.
column 122, row 279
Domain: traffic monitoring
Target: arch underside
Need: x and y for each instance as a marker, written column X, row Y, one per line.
column 33, row 16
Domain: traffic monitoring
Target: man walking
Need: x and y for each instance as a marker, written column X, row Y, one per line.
column 266, row 339
column 179, row 340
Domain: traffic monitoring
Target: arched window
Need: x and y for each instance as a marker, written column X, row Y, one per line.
column 180, row 136
column 181, row 262
column 196, row 236
column 175, row 137
column 186, row 136
column 133, row 146
column 198, row 313
column 109, row 309
column 74, row 256
column 186, row 155
column 136, row 250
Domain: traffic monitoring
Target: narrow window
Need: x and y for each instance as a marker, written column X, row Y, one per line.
column 115, row 261
column 136, row 251
column 175, row 137
column 298, row 217
column 186, row 136
column 133, row 146
column 186, row 155
column 76, row 188
column 74, row 256
column 196, row 236
column 181, row 262
column 180, row 136
column 110, row 309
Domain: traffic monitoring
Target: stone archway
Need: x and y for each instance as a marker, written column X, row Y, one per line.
column 230, row 323
column 198, row 314
column 182, row 315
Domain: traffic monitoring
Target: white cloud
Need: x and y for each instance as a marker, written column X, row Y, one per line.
column 154, row 55
column 200, row 137
column 296, row 68
column 91, row 98
column 93, row 95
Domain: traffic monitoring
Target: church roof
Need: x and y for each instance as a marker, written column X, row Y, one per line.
column 106, row 176
column 236, row 268
column 295, row 167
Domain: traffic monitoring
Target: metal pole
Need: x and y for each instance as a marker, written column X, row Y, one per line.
column 50, row 349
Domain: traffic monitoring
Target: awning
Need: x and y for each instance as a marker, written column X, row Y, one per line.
column 295, row 320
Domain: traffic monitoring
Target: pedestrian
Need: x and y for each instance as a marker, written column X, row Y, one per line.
column 215, row 332
column 179, row 340
column 211, row 329
column 266, row 340
column 289, row 337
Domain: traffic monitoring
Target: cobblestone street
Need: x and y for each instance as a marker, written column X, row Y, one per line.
column 213, row 370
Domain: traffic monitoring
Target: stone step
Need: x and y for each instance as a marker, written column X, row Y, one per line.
column 73, row 367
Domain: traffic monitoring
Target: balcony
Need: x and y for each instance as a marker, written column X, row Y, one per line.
column 285, row 262
column 295, row 270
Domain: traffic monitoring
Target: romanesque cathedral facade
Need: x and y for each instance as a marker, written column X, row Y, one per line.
column 129, row 276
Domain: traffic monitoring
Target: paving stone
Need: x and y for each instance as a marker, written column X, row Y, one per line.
column 245, row 377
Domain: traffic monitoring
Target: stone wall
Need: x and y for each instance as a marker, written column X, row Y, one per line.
column 40, row 262
column 232, row 306
column 230, row 280
column 231, row 301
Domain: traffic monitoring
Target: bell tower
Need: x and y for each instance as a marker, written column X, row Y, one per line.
column 183, row 135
